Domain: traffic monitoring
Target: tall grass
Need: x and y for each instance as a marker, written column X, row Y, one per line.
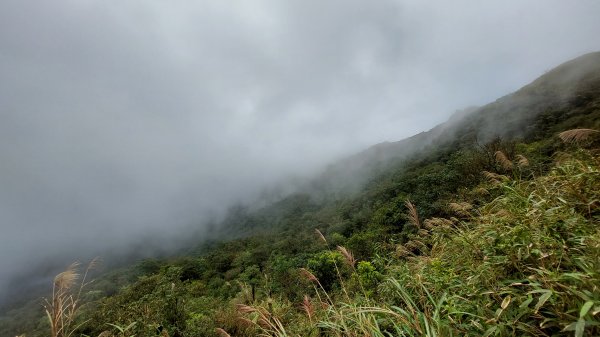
column 577, row 135
column 410, row 316
column 64, row 305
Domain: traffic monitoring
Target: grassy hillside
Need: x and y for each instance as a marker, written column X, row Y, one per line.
column 486, row 225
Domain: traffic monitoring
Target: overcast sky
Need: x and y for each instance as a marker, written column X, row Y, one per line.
column 121, row 117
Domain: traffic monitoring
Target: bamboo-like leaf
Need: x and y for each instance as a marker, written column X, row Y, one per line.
column 130, row 326
column 579, row 327
column 542, row 300
column 526, row 303
column 585, row 308
column 490, row 331
column 121, row 330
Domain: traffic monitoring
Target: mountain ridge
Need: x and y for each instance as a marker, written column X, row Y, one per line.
column 509, row 117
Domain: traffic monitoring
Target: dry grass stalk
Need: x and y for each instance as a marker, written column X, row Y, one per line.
column 461, row 208
column 312, row 278
column 494, row 177
column 413, row 216
column 245, row 309
column 420, row 243
column 308, row 308
column 320, row 235
column 503, row 160
column 437, row 222
column 422, row 232
column 65, row 280
column 244, row 322
column 347, row 255
column 481, row 191
column 222, row 332
column 410, row 245
column 428, row 224
column 502, row 213
column 62, row 309
column 522, row 161
column 308, row 275
column 401, row 251
column 414, row 245
column 264, row 320
column 576, row 135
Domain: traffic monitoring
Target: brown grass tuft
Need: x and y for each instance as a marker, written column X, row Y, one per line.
column 414, row 245
column 502, row 214
column 222, row 332
column 308, row 275
column 263, row 319
column 437, row 222
column 244, row 322
column 461, row 208
column 245, row 309
column 494, row 177
column 264, row 322
column 63, row 306
column 503, row 160
column 481, row 191
column 308, row 308
column 576, row 135
column 402, row 251
column 522, row 161
column 347, row 255
column 413, row 216
column 66, row 280
column 62, row 309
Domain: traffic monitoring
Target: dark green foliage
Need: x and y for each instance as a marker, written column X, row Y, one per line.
column 285, row 277
column 368, row 276
column 326, row 266
column 149, row 267
column 253, row 277
column 363, row 244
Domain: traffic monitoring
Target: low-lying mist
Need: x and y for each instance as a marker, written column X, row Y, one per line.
column 126, row 125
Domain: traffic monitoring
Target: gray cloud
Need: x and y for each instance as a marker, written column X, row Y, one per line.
column 120, row 118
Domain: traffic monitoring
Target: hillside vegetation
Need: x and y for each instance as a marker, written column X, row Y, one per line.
column 486, row 225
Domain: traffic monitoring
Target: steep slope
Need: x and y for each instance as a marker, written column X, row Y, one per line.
column 565, row 97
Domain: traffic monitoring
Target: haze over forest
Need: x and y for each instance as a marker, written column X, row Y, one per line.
column 124, row 120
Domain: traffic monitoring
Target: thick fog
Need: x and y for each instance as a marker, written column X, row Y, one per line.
column 126, row 119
